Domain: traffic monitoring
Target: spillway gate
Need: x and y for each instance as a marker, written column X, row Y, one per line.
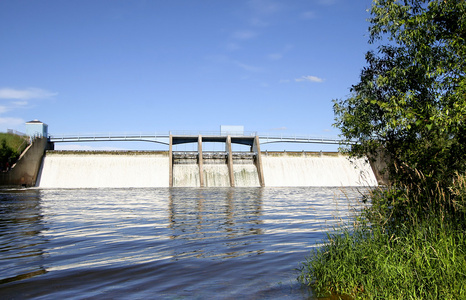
column 234, row 164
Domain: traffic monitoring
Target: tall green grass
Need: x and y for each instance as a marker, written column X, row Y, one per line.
column 11, row 147
column 410, row 243
column 16, row 142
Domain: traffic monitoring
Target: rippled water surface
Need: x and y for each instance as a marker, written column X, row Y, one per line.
column 179, row 243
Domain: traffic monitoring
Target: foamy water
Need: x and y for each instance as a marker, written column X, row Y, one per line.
column 119, row 170
column 103, row 170
column 288, row 171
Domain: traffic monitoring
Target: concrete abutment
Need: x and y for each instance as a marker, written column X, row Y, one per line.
column 25, row 171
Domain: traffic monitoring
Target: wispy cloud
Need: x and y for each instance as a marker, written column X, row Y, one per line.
column 264, row 7
column 25, row 94
column 11, row 122
column 13, row 99
column 280, row 128
column 327, row 2
column 247, row 67
column 309, row 78
column 3, row 109
column 308, row 15
column 19, row 103
column 279, row 54
column 244, row 34
column 275, row 56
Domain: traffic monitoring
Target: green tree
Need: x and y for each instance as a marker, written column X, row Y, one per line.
column 7, row 155
column 411, row 98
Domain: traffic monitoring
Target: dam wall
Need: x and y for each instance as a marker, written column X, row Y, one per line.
column 87, row 169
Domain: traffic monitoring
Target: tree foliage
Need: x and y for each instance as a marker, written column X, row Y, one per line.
column 411, row 98
column 7, row 156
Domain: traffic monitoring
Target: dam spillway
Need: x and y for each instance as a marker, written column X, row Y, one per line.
column 126, row 169
column 83, row 169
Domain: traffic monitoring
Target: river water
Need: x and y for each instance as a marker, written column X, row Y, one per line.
column 163, row 243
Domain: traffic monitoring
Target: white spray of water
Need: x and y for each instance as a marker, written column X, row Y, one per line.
column 186, row 175
column 152, row 170
column 103, row 170
column 216, row 175
column 246, row 175
column 291, row 170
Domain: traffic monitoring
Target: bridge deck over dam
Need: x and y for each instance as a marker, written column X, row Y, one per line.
column 178, row 138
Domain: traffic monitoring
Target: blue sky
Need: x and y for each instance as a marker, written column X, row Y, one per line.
column 87, row 66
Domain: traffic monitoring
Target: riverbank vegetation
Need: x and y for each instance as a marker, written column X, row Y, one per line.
column 409, row 106
column 11, row 147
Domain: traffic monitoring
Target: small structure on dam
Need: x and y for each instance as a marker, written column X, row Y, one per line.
column 36, row 129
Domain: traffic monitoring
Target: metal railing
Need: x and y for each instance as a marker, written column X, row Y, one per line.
column 162, row 138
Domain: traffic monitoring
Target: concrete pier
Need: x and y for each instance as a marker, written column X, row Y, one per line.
column 170, row 161
column 200, row 161
column 258, row 161
column 230, row 161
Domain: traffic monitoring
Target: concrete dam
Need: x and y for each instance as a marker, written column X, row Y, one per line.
column 41, row 166
column 128, row 169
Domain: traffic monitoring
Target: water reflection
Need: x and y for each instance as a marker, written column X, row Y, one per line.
column 231, row 217
column 170, row 242
column 21, row 240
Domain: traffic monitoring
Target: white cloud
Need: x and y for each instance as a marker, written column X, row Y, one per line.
column 233, row 47
column 3, row 109
column 309, row 78
column 11, row 122
column 275, row 56
column 308, row 15
column 20, row 103
column 25, row 94
column 244, row 34
column 265, row 7
column 247, row 67
column 280, row 128
column 279, row 54
column 327, row 2
column 256, row 22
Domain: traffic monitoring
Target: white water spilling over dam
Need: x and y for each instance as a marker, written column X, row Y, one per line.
column 304, row 169
column 151, row 169
column 101, row 169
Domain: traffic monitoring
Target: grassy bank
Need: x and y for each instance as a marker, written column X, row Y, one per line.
column 16, row 142
column 11, row 147
column 406, row 245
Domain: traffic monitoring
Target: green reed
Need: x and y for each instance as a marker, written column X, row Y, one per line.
column 409, row 243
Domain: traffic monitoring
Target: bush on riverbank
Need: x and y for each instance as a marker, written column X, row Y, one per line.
column 401, row 247
column 409, row 108
column 11, row 147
